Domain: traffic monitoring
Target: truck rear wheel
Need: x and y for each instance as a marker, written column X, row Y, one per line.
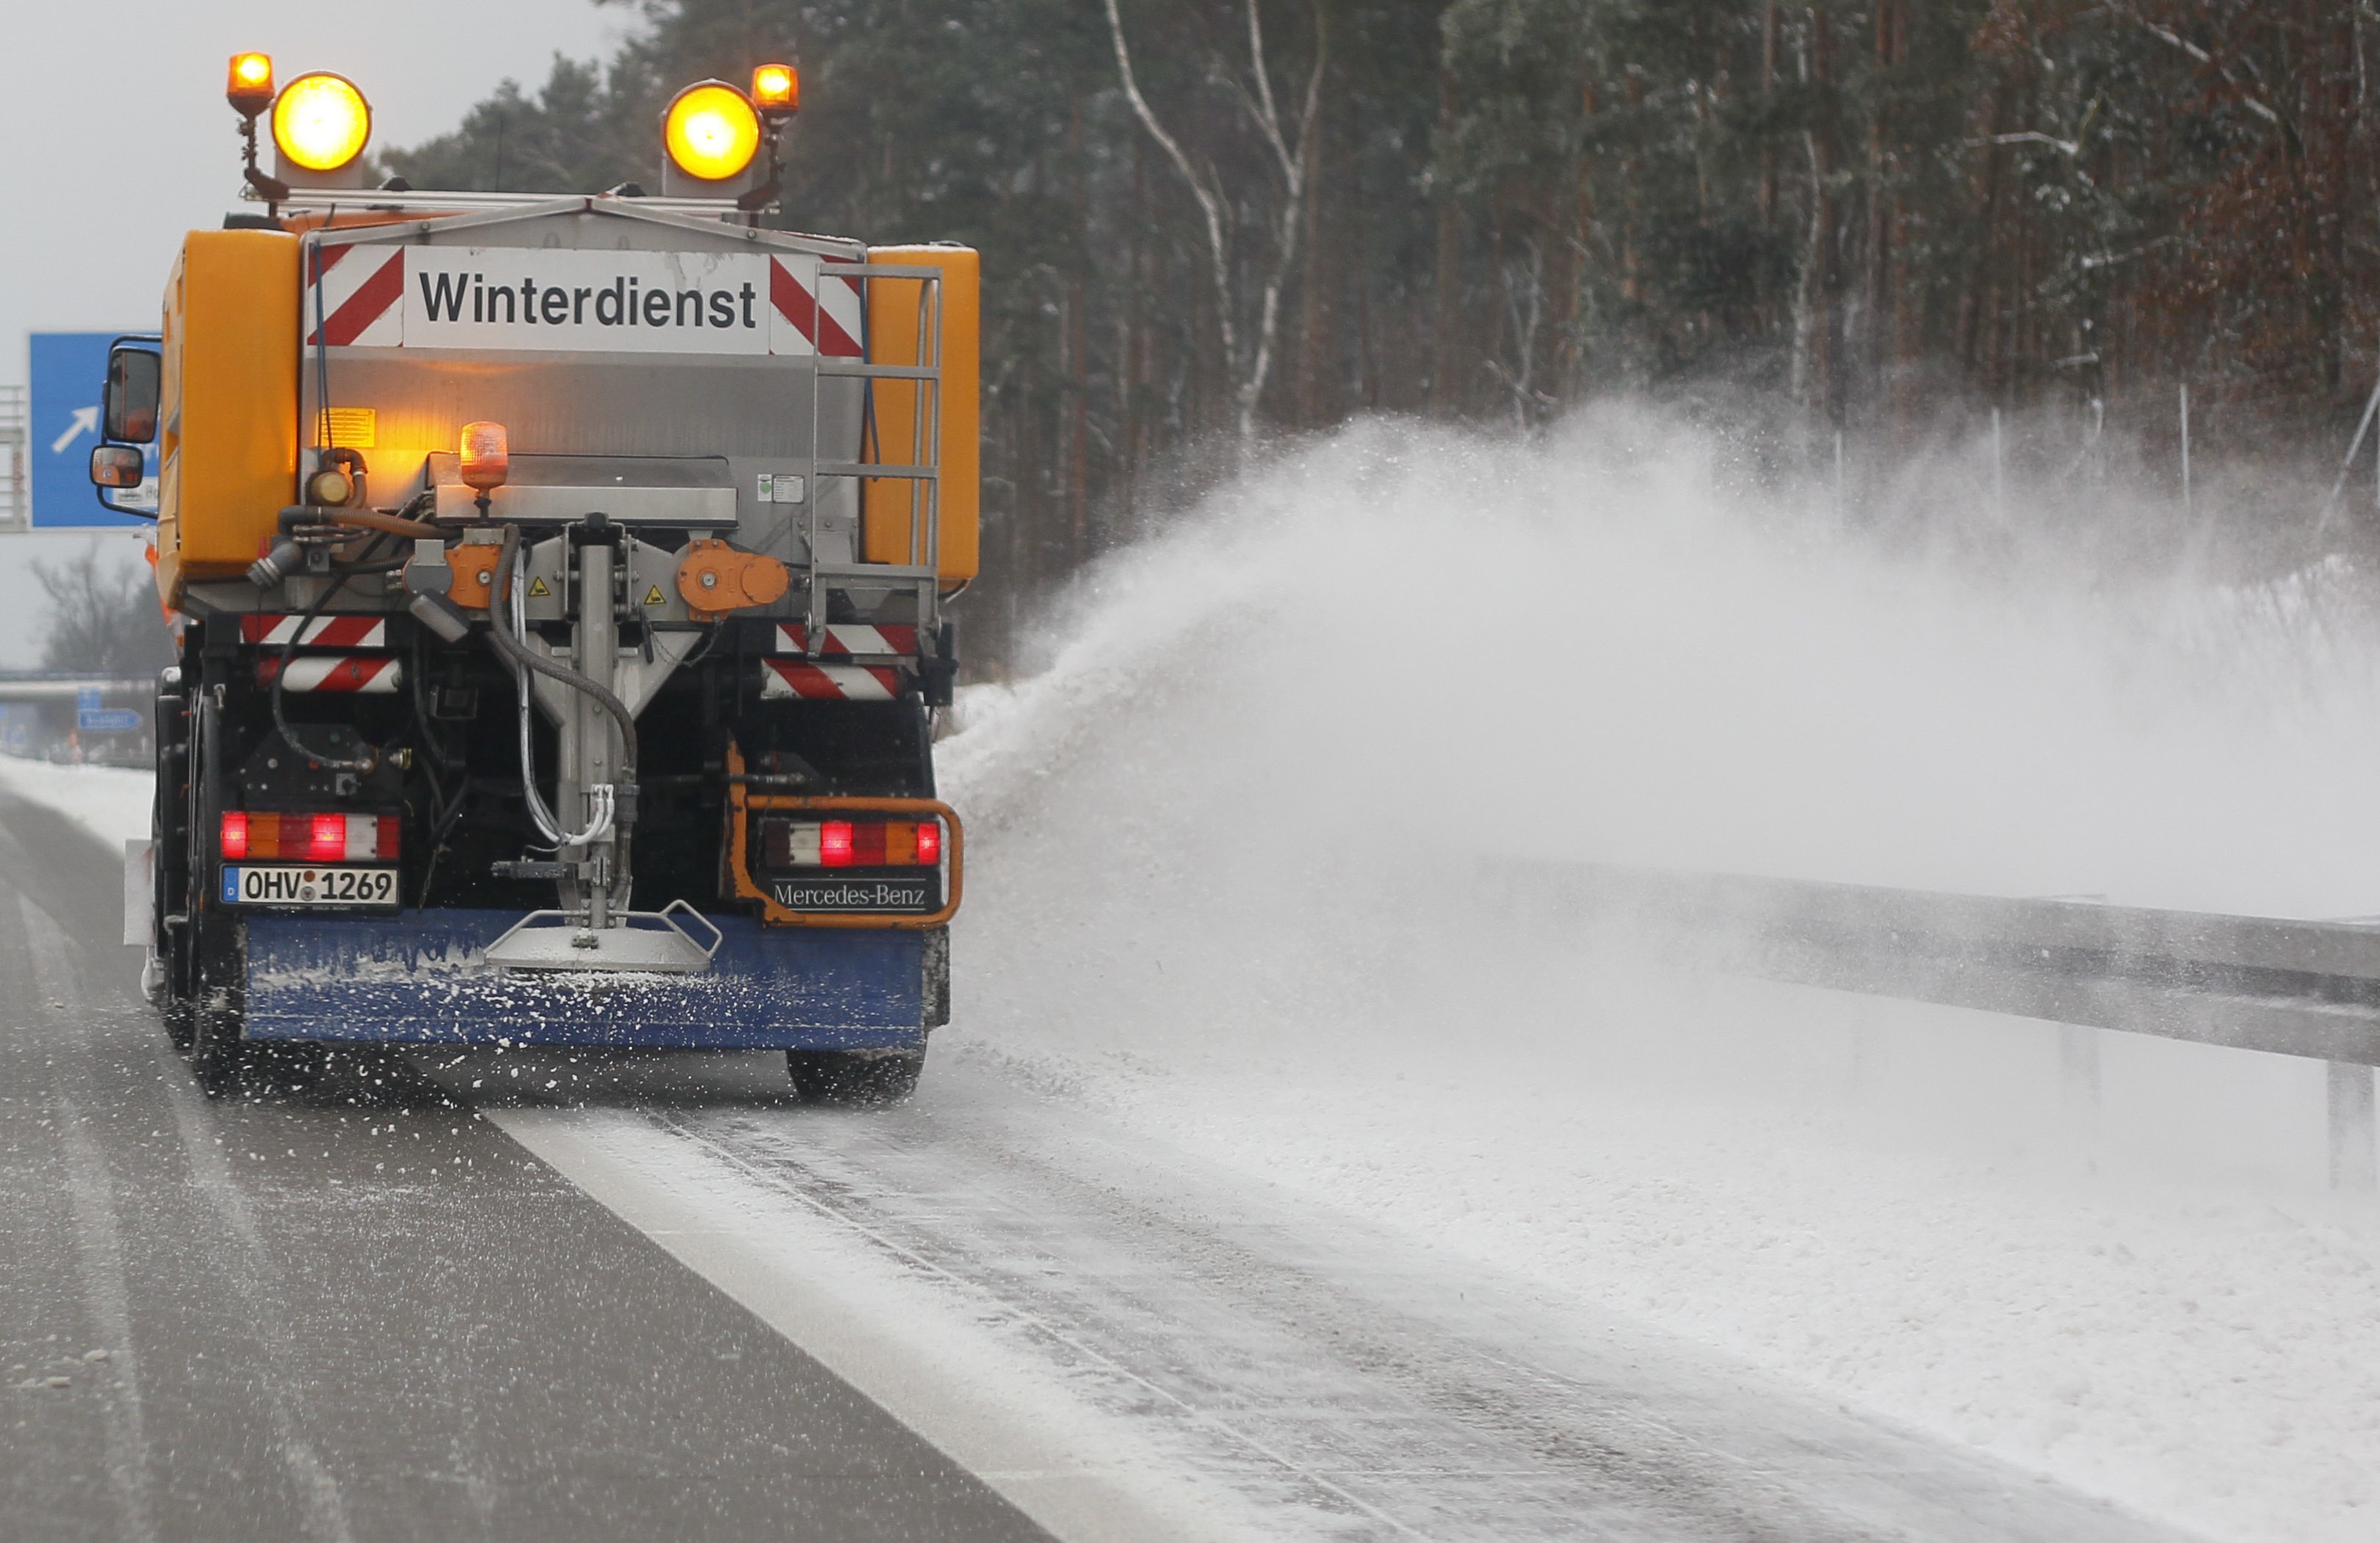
column 223, row 1064
column 218, row 1055
column 171, row 820
column 167, row 972
column 216, row 1008
column 856, row 1077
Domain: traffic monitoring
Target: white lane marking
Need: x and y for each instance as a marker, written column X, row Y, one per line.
column 1076, row 1346
column 802, row 1271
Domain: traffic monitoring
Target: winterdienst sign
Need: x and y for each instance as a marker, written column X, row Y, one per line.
column 543, row 299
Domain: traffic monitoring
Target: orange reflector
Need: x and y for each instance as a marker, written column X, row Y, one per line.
column 248, row 84
column 486, row 456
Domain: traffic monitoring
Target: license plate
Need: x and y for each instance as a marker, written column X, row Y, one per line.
column 279, row 884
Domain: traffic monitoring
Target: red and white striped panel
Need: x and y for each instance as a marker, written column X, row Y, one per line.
column 361, row 286
column 815, row 312
column 322, row 632
column 373, row 675
column 783, row 678
column 849, row 641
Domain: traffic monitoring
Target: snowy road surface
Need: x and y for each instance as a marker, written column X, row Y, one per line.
column 368, row 1313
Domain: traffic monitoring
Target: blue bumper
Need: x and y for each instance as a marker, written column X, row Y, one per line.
column 420, row 978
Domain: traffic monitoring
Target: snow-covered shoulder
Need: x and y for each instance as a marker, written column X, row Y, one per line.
column 111, row 802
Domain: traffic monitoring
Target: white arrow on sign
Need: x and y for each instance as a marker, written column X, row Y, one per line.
column 86, row 421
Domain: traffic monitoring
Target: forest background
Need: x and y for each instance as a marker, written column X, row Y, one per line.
column 1210, row 223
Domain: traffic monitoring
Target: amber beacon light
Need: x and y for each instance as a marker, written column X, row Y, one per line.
column 711, row 131
column 776, row 90
column 486, row 457
column 248, row 84
column 321, row 121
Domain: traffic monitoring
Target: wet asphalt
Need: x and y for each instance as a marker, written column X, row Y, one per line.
column 361, row 1311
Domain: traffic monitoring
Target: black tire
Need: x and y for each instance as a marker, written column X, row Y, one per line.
column 223, row 1059
column 218, row 1056
column 223, row 1064
column 181, row 1018
column 216, row 941
column 859, row 1078
column 170, row 827
column 171, row 977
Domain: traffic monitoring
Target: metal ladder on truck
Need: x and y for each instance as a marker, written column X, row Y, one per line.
column 920, row 473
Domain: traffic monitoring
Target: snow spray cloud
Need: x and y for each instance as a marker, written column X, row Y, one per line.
column 1228, row 824
column 1408, row 644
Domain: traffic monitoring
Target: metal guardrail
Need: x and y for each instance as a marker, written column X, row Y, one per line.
column 2309, row 989
column 48, row 715
column 45, row 685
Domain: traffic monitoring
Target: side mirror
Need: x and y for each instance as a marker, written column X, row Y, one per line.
column 119, row 466
column 128, row 407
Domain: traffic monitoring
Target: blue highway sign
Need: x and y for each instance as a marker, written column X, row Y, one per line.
column 68, row 371
column 107, row 720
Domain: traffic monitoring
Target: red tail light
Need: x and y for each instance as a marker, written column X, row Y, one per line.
column 312, row 838
column 850, row 843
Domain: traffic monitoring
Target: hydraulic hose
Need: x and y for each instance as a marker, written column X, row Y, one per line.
column 381, row 525
column 372, row 519
column 289, row 650
column 599, row 823
column 521, row 654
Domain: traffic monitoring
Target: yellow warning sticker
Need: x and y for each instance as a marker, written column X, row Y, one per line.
column 351, row 428
column 653, row 596
column 537, row 590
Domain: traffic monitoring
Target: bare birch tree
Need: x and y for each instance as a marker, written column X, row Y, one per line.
column 1290, row 147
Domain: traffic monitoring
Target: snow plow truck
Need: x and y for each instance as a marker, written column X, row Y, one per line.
column 561, row 587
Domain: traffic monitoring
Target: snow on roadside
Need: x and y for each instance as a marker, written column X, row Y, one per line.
column 2208, row 1352
column 1212, row 894
column 111, row 802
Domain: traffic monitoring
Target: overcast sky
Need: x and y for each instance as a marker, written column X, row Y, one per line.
column 119, row 141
